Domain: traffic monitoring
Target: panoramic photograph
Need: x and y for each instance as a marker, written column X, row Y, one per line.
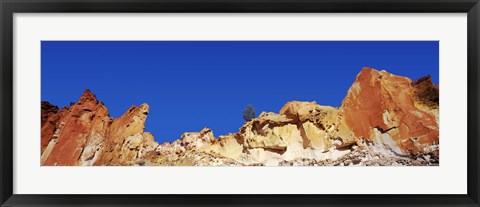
column 240, row 103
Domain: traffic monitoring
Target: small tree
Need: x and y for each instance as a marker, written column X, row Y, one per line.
column 249, row 113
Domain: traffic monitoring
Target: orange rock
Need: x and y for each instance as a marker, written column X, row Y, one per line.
column 84, row 134
column 75, row 131
column 398, row 115
column 52, row 124
column 378, row 99
column 125, row 138
column 48, row 110
column 426, row 93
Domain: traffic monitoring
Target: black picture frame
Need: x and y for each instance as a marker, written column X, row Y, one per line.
column 9, row 7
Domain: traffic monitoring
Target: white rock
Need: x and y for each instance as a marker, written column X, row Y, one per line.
column 426, row 157
column 272, row 162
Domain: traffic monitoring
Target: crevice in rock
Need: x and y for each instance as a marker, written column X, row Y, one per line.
column 306, row 142
column 345, row 146
column 275, row 149
column 380, row 129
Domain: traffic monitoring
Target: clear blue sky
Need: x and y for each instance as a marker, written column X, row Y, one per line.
column 194, row 84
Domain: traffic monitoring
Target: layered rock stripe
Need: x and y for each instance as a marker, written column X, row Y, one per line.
column 390, row 114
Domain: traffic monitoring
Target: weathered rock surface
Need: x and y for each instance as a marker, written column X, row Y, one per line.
column 85, row 134
column 48, row 110
column 51, row 123
column 380, row 107
column 384, row 120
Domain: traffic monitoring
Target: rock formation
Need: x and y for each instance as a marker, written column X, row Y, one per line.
column 381, row 107
column 384, row 120
column 85, row 134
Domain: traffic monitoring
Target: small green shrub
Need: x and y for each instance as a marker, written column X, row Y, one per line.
column 249, row 113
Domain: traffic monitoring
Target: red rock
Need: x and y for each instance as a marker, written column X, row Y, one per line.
column 75, row 132
column 378, row 99
column 389, row 110
column 84, row 134
column 426, row 93
column 125, row 138
column 51, row 125
column 48, row 110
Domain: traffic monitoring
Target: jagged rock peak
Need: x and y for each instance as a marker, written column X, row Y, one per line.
column 142, row 109
column 372, row 75
column 425, row 79
column 382, row 115
column 302, row 111
column 48, row 106
column 87, row 96
column 426, row 93
column 48, row 110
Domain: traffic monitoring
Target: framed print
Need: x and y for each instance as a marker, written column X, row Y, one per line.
column 199, row 103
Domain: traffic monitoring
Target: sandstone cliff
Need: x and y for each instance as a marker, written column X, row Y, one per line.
column 384, row 120
column 85, row 134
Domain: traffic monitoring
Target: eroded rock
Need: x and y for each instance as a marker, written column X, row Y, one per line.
column 384, row 120
column 385, row 102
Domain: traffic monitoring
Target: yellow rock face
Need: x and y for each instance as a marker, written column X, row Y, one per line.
column 125, row 140
column 396, row 114
column 316, row 138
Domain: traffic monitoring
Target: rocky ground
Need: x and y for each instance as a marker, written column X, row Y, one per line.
column 369, row 157
column 354, row 156
column 191, row 158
